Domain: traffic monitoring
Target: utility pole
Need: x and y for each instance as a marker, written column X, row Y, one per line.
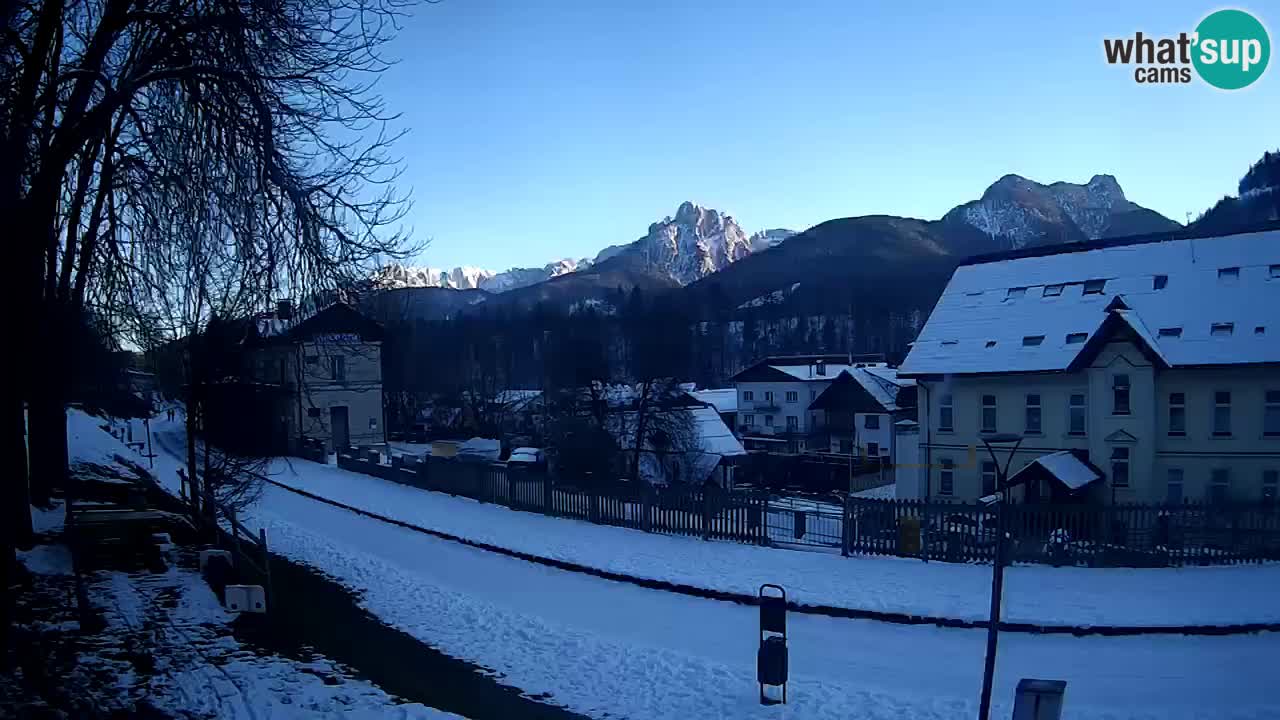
column 997, row 574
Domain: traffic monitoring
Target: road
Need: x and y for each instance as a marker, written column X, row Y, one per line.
column 606, row 648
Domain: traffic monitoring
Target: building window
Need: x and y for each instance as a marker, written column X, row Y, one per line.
column 1219, row 485
column 768, row 396
column 1173, row 488
column 988, row 477
column 1222, row 329
column 1229, row 274
column 1270, row 486
column 1053, row 290
column 793, row 423
column 768, row 421
column 988, row 413
column 1094, row 287
column 1015, row 292
column 1120, row 467
column 1271, row 414
column 946, row 414
column 1033, row 414
column 1076, row 414
column 1076, row 338
column 846, row 445
column 813, row 395
column 1159, row 282
column 1032, row 340
column 1120, row 394
column 871, row 422
column 748, row 396
column 793, row 396
column 947, row 477
column 748, row 420
column 1177, row 414
column 1222, row 414
column 873, row 449
column 338, row 368
column 1170, row 332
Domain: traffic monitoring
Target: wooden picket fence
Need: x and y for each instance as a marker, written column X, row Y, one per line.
column 1123, row 535
column 1127, row 535
column 711, row 514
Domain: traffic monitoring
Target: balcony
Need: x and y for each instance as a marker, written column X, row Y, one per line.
column 759, row 406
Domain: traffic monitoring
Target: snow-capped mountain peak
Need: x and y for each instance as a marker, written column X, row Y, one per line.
column 695, row 243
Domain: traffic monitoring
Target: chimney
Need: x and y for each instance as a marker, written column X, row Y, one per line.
column 284, row 310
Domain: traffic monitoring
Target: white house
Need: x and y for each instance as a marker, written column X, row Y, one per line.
column 1156, row 364
column 774, row 397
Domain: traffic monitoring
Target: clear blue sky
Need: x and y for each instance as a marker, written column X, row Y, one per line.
column 541, row 129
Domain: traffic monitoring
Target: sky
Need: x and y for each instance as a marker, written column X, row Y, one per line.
column 542, row 129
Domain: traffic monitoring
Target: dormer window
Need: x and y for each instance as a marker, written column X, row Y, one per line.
column 1222, row 329
column 1170, row 332
column 950, row 342
column 1032, row 340
column 991, row 344
column 1053, row 290
column 1094, row 287
column 1228, row 274
column 1159, row 282
column 1274, row 272
column 1260, row 330
column 1076, row 338
column 1016, row 292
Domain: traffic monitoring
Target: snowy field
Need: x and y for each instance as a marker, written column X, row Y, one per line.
column 612, row 649
column 1034, row 594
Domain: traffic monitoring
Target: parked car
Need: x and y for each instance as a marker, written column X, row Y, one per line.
column 479, row 449
column 528, row 458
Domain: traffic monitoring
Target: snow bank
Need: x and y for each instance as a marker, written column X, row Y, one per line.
column 1034, row 594
column 47, row 559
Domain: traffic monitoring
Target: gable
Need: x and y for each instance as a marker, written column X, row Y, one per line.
column 762, row 373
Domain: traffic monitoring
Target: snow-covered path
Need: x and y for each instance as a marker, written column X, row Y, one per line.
column 601, row 647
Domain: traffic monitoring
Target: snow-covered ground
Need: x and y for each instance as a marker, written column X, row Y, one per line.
column 1034, row 594
column 606, row 648
column 167, row 645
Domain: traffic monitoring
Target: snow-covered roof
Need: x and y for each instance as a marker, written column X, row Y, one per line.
column 881, row 382
column 725, row 400
column 1066, row 467
column 1194, row 301
column 715, row 436
column 810, row 372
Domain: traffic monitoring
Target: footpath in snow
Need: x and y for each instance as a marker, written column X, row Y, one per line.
column 1086, row 597
column 167, row 650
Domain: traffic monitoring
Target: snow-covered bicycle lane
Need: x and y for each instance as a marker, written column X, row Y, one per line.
column 607, row 648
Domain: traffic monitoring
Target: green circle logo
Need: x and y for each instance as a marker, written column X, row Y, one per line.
column 1232, row 49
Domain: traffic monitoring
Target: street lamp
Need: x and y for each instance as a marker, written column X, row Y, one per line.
column 997, row 573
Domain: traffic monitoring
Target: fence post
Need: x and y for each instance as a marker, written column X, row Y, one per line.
column 235, row 534
column 266, row 567
column 844, row 526
column 706, row 515
column 646, row 495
